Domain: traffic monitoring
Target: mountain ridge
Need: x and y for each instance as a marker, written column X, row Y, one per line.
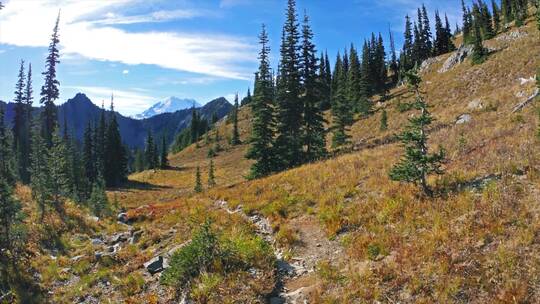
column 169, row 105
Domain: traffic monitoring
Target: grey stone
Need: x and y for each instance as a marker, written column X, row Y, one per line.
column 97, row 242
column 463, row 118
column 155, row 265
column 122, row 217
column 456, row 58
column 476, row 104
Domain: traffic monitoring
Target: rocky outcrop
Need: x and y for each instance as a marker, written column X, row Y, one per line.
column 156, row 264
column 527, row 101
column 456, row 58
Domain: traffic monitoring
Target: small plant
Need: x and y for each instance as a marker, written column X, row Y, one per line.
column 211, row 177
column 198, row 184
column 373, row 251
column 384, row 121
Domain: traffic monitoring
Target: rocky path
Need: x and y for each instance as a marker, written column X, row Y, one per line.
column 315, row 247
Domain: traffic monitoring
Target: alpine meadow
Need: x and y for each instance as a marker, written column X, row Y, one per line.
column 253, row 151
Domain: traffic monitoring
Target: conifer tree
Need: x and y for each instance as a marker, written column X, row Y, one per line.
column 115, row 153
column 88, row 156
column 394, row 65
column 496, row 16
column 164, row 161
column 98, row 202
column 235, row 134
column 355, row 89
column 12, row 228
column 150, row 154
column 506, row 9
column 49, row 90
column 440, row 36
column 450, row 43
column 425, row 32
column 263, row 125
column 19, row 122
column 479, row 52
column 6, row 160
column 139, row 164
column 314, row 140
column 99, row 143
column 198, row 184
column 194, row 127
column 211, row 177
column 59, row 172
column 384, row 120
column 467, row 26
column 40, row 177
column 25, row 145
column 341, row 109
column 407, row 61
column 417, row 163
column 288, row 143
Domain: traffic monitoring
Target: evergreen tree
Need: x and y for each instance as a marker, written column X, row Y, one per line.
column 12, row 228
column 6, row 160
column 394, row 65
column 288, row 143
column 40, row 177
column 384, row 120
column 425, row 32
column 194, row 127
column 355, row 84
column 139, row 164
column 98, row 202
column 246, row 100
column 479, row 52
column 440, row 46
column 314, row 140
column 164, row 161
column 49, row 90
column 417, row 163
column 19, row 123
column 115, row 154
column 341, row 109
column 506, row 9
column 211, row 177
column 450, row 43
column 29, row 100
column 496, row 16
column 150, row 154
column 380, row 70
column 467, row 26
column 519, row 9
column 235, row 134
column 407, row 61
column 59, row 171
column 263, row 124
column 88, row 156
column 198, row 184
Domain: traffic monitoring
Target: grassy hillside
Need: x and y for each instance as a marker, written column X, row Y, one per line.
column 358, row 236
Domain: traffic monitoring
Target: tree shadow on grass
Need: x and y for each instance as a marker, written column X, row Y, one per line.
column 137, row 185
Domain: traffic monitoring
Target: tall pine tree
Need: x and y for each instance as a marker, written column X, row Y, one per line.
column 314, row 140
column 289, row 106
column 19, row 122
column 235, row 133
column 263, row 125
column 115, row 154
column 341, row 108
column 49, row 90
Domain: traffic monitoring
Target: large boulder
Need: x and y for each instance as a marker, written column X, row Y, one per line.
column 122, row 217
column 456, row 58
column 463, row 118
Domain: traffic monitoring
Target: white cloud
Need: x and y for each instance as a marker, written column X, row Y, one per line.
column 125, row 72
column 129, row 102
column 159, row 16
column 215, row 55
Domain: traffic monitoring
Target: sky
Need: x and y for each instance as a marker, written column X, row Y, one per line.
column 144, row 51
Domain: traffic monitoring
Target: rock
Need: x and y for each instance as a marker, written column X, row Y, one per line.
column 463, row 118
column 77, row 258
column 98, row 255
column 277, row 300
column 93, row 218
column 122, row 217
column 524, row 81
column 135, row 237
column 456, row 58
column 119, row 237
column 97, row 242
column 155, row 265
column 511, row 36
column 475, row 105
column 426, row 64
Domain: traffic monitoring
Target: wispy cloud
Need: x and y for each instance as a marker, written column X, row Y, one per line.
column 231, row 3
column 209, row 54
column 153, row 17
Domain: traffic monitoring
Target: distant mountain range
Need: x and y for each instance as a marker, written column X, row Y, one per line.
column 169, row 105
column 79, row 111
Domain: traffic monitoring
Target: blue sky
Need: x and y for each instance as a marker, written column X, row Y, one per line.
column 145, row 51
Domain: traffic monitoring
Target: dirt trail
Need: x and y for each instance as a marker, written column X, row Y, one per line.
column 294, row 276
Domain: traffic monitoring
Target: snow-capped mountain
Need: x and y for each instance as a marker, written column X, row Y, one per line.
column 169, row 105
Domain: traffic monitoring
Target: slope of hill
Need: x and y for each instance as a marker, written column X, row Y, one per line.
column 341, row 231
column 79, row 111
column 169, row 105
